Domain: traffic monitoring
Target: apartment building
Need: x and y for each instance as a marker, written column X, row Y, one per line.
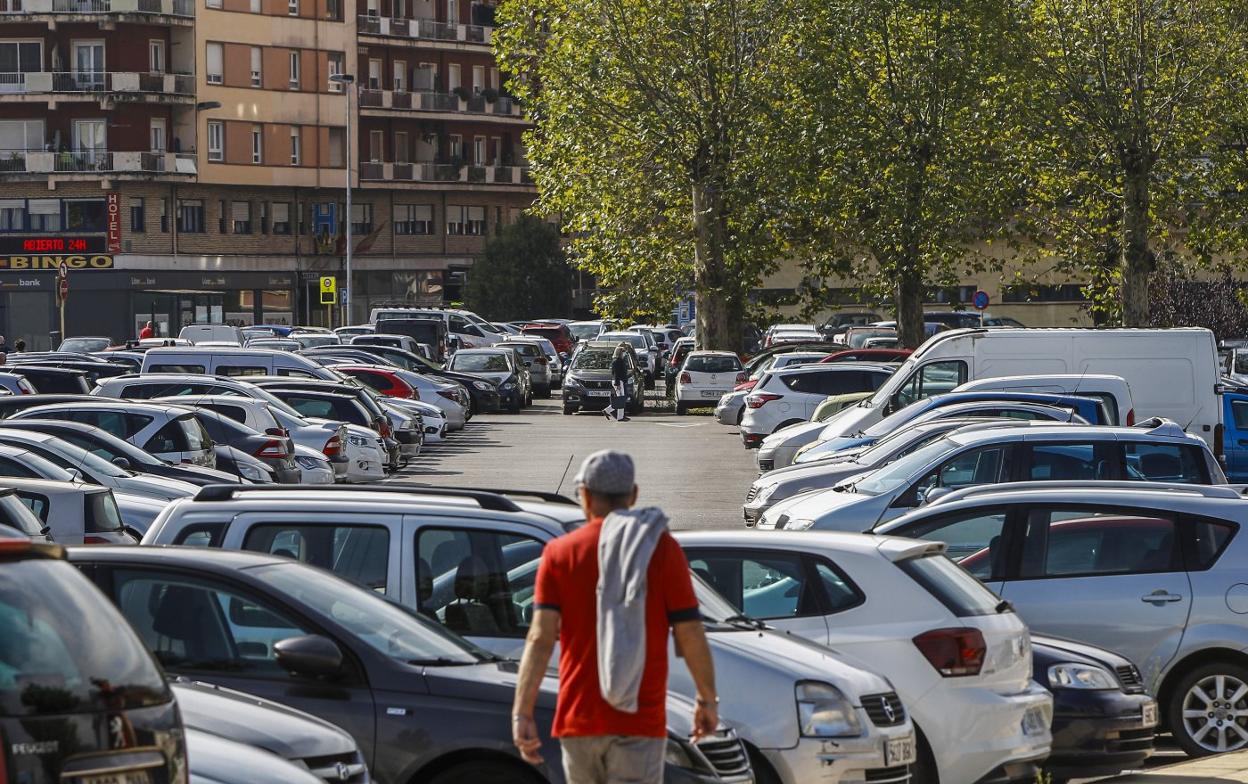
column 186, row 160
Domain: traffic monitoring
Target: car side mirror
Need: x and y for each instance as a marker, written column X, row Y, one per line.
column 121, row 462
column 311, row 654
column 933, row 494
column 75, row 473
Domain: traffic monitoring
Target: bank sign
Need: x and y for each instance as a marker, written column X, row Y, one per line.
column 26, row 263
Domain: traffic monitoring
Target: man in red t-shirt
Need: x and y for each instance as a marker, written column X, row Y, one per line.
column 601, row 744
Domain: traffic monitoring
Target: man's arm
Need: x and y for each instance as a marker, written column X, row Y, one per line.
column 539, row 644
column 691, row 642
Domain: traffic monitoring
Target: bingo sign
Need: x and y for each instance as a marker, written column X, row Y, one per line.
column 112, row 206
column 980, row 300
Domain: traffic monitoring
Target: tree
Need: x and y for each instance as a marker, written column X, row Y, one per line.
column 1133, row 105
column 901, row 112
column 649, row 115
column 522, row 273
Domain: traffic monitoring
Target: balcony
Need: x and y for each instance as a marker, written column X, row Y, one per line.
column 94, row 164
column 442, row 173
column 181, row 12
column 424, row 30
column 96, row 85
column 392, row 103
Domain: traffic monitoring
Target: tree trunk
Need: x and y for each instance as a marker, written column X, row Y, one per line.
column 910, row 308
column 717, row 298
column 1138, row 261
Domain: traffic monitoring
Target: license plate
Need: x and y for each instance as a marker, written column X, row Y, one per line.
column 1034, row 723
column 136, row 777
column 899, row 751
column 1149, row 714
column 710, row 393
column 597, row 393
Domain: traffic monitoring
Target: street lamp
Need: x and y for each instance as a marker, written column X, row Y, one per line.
column 346, row 80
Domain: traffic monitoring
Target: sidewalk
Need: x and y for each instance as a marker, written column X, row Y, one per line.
column 1222, row 769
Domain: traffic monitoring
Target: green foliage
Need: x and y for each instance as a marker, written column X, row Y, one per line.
column 521, row 274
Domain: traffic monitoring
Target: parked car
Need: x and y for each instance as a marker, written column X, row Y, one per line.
column 428, row 330
column 500, row 367
column 537, row 362
column 17, row 519
column 276, row 450
column 558, row 334
column 14, row 384
column 680, row 350
column 834, row 404
column 169, row 432
column 994, row 456
column 789, row 396
column 961, row 663
column 837, row 323
column 466, row 538
column 309, row 339
column 51, row 380
column 587, row 385
column 706, row 376
column 731, row 407
column 85, row 344
column 72, row 670
column 1112, row 391
column 587, row 330
column 405, row 342
column 223, row 361
column 212, row 333
column 555, row 360
column 275, row 344
column 645, row 348
column 450, row 399
column 1147, row 570
column 73, row 512
column 348, row 332
column 464, row 326
column 219, row 760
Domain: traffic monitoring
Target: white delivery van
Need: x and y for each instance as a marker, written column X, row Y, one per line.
column 214, row 361
column 1113, row 391
column 219, row 334
column 1172, row 373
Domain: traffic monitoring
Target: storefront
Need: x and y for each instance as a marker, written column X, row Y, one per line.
column 172, row 300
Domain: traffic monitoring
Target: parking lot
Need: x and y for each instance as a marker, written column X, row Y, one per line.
column 691, row 466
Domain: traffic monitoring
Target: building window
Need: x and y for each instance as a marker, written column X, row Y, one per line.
column 411, row 219
column 296, row 147
column 257, row 67
column 255, row 6
column 164, row 215
column 376, row 144
column 361, row 218
column 215, row 62
column 457, row 146
column 400, row 146
column 294, row 70
column 240, row 217
column 374, row 75
column 44, row 214
column 281, row 217
column 257, row 145
column 292, row 7
column 400, row 76
column 335, row 60
column 12, row 215
column 466, row 221
column 85, row 215
column 337, row 147
column 333, row 10
column 223, row 218
column 138, row 217
column 216, row 140
column 264, row 217
column 191, row 216
column 212, row 3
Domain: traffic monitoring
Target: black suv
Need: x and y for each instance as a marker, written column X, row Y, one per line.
column 80, row 697
column 588, row 382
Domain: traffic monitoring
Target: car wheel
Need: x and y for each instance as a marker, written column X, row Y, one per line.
column 740, row 415
column 924, row 771
column 484, row 773
column 1208, row 710
column 649, row 382
column 569, row 410
column 680, row 409
column 516, row 404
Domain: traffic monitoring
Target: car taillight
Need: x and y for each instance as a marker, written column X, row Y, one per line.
column 741, row 378
column 761, row 399
column 955, row 653
column 1131, row 417
column 685, row 378
column 273, row 449
column 89, row 539
column 333, row 447
column 745, row 386
column 383, row 428
column 448, row 395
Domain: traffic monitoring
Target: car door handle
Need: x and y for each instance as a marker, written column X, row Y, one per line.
column 1160, row 597
column 1242, row 442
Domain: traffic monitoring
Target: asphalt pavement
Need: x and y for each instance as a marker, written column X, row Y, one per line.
column 691, row 466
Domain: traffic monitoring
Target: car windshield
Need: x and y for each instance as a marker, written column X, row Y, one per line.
column 585, row 331
column 592, row 360
column 65, row 649
column 16, row 514
column 382, row 625
column 712, row 364
column 896, row 474
column 84, row 345
column 631, row 338
column 479, row 363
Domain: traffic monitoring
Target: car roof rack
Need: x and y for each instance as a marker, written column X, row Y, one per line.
column 491, row 501
column 1206, row 491
column 552, row 498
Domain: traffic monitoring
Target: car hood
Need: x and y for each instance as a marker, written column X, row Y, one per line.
column 818, row 478
column 595, row 375
column 245, row 718
column 832, row 510
column 138, row 511
column 163, row 488
column 849, row 421
column 798, row 470
column 494, row 378
column 207, row 474
column 822, row 450
column 488, row 681
column 1051, row 650
column 217, row 760
column 783, row 435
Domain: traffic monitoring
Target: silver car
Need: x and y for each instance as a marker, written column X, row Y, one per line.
column 171, row 433
column 537, row 363
column 1155, row 572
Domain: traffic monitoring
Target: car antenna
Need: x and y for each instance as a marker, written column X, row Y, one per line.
column 1075, row 393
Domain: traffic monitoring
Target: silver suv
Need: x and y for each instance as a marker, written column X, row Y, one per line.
column 1156, row 572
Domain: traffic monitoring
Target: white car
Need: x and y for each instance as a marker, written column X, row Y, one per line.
column 706, row 376
column 731, row 406
column 959, row 658
column 787, row 397
column 74, row 513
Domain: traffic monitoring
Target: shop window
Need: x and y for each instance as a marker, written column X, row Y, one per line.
column 240, row 217
column 138, row 215
column 410, row 219
column 191, row 216
column 84, row 215
column 281, row 217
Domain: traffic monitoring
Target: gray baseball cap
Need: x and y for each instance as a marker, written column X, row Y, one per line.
column 607, row 472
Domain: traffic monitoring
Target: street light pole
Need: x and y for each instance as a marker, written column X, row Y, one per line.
column 347, row 81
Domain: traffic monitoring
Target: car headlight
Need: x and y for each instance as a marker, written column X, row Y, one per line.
column 824, row 712
column 254, row 473
column 484, row 386
column 311, row 463
column 766, row 493
column 358, row 440
column 508, row 385
column 1069, row 675
column 678, row 755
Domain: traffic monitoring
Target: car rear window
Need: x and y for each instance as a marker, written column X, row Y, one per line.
column 713, row 365
column 550, row 333
column 952, row 585
column 65, row 648
column 191, row 369
column 102, row 514
column 241, row 370
column 15, row 512
column 592, row 360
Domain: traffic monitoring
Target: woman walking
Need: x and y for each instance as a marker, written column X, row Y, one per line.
column 617, row 409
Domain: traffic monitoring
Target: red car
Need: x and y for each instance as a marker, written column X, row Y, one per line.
column 559, row 334
column 385, row 382
column 869, row 355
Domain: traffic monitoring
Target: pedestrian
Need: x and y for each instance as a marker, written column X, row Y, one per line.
column 610, row 716
column 19, row 346
column 147, row 332
column 617, row 408
column 4, row 345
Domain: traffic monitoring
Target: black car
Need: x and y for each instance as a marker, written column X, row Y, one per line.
column 484, row 393
column 1104, row 719
column 52, row 380
column 81, row 700
column 366, row 412
column 94, row 369
column 11, row 404
column 587, row 384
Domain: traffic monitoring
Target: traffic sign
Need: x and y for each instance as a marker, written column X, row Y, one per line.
column 62, row 289
column 980, row 300
column 329, row 290
column 63, row 270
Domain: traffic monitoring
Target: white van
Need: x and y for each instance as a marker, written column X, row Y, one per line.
column 1172, row 373
column 218, row 334
column 1113, row 391
column 233, row 362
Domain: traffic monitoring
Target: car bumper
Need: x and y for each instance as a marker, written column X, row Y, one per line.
column 694, row 395
column 585, row 402
column 726, row 414
column 841, row 760
column 486, row 402
column 285, row 472
column 752, row 511
column 318, row 476
column 977, row 734
column 752, row 440
column 1098, row 733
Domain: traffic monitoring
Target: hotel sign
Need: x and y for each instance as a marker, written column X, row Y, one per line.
column 27, row 263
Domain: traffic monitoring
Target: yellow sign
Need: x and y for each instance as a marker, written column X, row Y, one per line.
column 329, row 291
